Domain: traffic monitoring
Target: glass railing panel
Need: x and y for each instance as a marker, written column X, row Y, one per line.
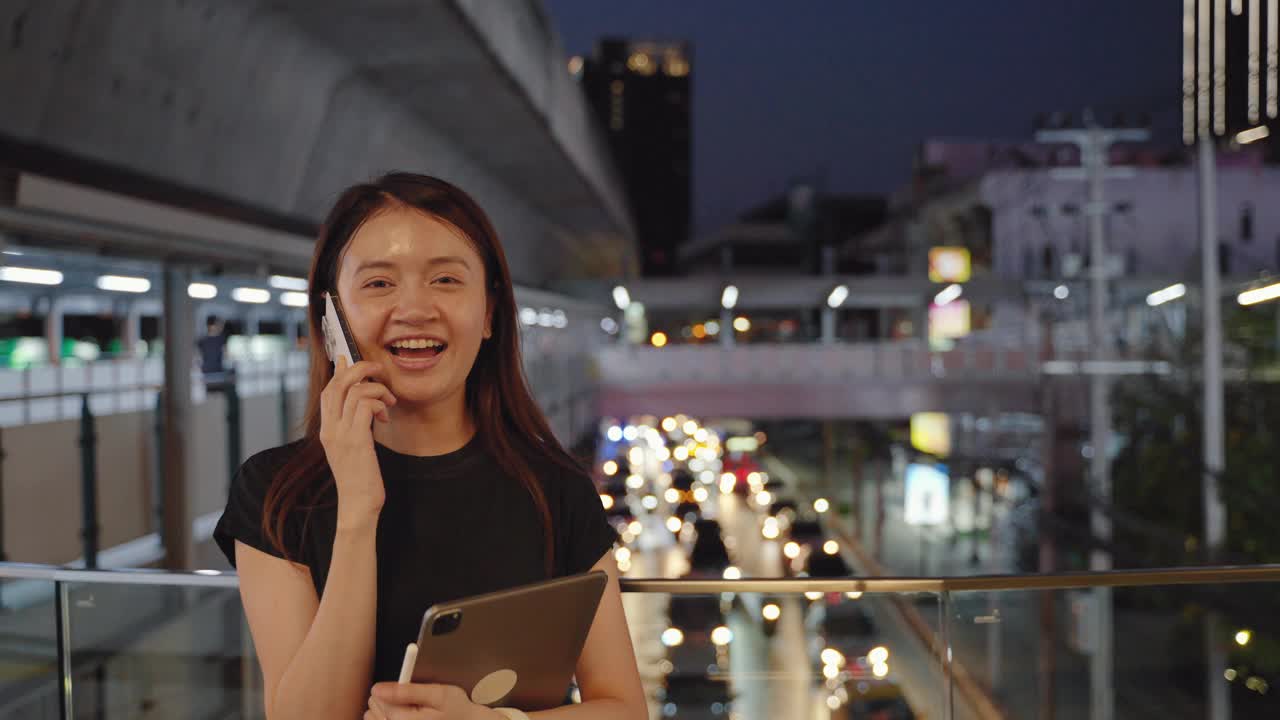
column 1175, row 650
column 28, row 650
column 767, row 656
column 144, row 650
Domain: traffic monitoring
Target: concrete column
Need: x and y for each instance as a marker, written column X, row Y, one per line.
column 179, row 339
column 828, row 325
column 131, row 331
column 53, row 331
column 291, row 328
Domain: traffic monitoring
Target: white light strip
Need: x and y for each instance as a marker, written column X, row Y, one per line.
column 729, row 298
column 1160, row 297
column 1257, row 295
column 1204, row 78
column 1244, row 137
column 284, row 282
column 1255, row 60
column 256, row 296
column 1273, row 58
column 202, row 291
column 948, row 294
column 33, row 276
column 621, row 297
column 1237, row 7
column 293, row 299
column 121, row 283
column 838, row 296
column 1220, row 67
column 1188, row 71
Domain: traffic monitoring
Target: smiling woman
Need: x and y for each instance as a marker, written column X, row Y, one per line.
column 426, row 472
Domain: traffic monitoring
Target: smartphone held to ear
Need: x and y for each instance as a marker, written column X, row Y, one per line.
column 338, row 341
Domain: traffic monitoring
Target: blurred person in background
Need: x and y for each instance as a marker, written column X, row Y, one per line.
column 213, row 347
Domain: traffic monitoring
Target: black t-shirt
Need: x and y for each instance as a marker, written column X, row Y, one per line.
column 452, row 526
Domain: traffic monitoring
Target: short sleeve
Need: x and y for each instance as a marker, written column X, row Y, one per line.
column 585, row 534
column 242, row 518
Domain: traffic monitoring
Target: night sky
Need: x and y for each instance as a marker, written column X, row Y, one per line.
column 783, row 89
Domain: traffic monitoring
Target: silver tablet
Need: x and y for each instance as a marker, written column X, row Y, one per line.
column 514, row 648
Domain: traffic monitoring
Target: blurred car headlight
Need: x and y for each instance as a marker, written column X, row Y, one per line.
column 722, row 636
column 672, row 637
column 770, row 530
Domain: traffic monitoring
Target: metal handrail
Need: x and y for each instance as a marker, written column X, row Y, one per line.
column 994, row 583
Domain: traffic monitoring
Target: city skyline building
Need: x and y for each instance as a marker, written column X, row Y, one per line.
column 640, row 92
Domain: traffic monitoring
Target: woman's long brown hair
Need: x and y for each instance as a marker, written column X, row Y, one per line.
column 509, row 422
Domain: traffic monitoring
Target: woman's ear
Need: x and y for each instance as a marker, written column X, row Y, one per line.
column 488, row 321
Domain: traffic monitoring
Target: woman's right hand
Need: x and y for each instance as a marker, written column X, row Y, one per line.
column 348, row 408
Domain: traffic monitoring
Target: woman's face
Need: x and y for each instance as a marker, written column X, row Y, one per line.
column 413, row 289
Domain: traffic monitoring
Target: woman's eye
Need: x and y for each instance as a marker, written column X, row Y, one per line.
column 377, row 284
column 448, row 280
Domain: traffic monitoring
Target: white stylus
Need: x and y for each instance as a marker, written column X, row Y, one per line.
column 410, row 659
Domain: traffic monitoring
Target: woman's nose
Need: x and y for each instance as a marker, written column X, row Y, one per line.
column 416, row 303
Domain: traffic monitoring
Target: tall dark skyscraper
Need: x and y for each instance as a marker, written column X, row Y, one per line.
column 639, row 91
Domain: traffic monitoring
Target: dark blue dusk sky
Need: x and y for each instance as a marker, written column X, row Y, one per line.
column 783, row 88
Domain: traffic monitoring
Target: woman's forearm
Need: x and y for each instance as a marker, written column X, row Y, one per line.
column 331, row 673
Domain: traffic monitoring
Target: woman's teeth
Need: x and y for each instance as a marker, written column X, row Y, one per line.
column 417, row 346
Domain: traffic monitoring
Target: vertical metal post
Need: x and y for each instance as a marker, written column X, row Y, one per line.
column 726, row 316
column 88, row 483
column 828, row 312
column 62, row 631
column 234, row 455
column 179, row 340
column 284, row 409
column 3, row 556
column 1215, row 514
column 944, row 637
column 157, row 491
column 53, row 335
column 1102, row 663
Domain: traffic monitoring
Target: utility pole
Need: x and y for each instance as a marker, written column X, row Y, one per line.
column 1094, row 142
column 1215, row 513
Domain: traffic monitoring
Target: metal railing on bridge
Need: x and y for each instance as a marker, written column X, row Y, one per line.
column 139, row 643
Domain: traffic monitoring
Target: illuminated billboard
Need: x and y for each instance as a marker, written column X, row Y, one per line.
column 931, row 433
column 928, row 495
column 950, row 321
column 949, row 265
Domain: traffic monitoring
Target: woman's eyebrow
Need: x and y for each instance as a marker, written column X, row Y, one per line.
column 449, row 260
column 375, row 265
column 433, row 262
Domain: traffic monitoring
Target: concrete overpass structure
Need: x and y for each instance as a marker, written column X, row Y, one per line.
column 259, row 112
column 886, row 381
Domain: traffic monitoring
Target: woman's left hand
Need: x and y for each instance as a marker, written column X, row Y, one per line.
column 422, row 701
